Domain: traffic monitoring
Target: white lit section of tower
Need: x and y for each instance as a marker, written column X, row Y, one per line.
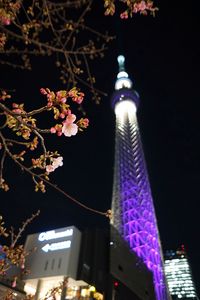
column 132, row 205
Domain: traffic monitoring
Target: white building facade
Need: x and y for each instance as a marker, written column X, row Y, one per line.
column 53, row 262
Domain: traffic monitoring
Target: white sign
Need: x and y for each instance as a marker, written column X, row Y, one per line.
column 51, row 235
column 56, row 246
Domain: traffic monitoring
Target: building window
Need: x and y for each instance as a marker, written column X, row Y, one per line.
column 59, row 263
column 52, row 264
column 46, row 265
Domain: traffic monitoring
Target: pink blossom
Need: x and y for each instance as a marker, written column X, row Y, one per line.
column 49, row 168
column 78, row 99
column 49, row 104
column 53, row 130
column 14, row 283
column 57, row 162
column 67, row 112
column 69, row 129
column 61, row 96
column 43, row 91
column 76, row 96
column 62, row 115
column 59, row 133
column 5, row 20
column 70, row 119
column 124, row 15
column 85, row 122
column 142, row 5
column 17, row 111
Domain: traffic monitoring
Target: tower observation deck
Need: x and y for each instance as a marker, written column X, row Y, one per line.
column 132, row 204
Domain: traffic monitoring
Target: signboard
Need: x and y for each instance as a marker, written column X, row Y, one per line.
column 57, row 253
column 52, row 234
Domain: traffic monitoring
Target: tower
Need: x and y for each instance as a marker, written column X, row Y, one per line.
column 179, row 276
column 132, row 204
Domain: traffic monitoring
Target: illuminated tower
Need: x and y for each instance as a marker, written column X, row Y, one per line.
column 132, row 204
column 178, row 275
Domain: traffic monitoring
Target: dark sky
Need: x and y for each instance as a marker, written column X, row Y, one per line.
column 162, row 59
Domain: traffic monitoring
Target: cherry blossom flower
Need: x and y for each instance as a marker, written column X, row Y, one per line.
column 124, row 15
column 5, row 20
column 83, row 123
column 57, row 162
column 43, row 91
column 14, row 283
column 50, row 168
column 69, row 128
column 76, row 95
column 53, row 130
column 62, row 115
column 61, row 96
column 70, row 119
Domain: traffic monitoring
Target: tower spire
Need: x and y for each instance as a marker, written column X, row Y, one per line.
column 123, row 80
column 121, row 62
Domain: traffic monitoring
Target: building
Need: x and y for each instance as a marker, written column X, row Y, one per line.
column 178, row 274
column 85, row 265
column 129, row 277
column 132, row 204
column 54, row 262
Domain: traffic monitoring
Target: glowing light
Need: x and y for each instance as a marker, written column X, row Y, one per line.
column 124, row 107
column 123, row 83
column 29, row 289
column 57, row 246
column 52, row 234
column 121, row 60
column 92, row 289
column 178, row 275
column 84, row 292
column 116, row 284
column 122, row 74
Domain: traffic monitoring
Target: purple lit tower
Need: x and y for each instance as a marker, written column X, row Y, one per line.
column 132, row 205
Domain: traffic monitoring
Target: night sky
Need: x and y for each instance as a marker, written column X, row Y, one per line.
column 162, row 60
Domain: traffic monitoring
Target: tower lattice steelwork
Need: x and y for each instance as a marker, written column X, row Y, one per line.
column 132, row 204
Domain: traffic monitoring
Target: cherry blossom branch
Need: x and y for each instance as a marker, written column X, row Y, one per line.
column 51, row 19
column 107, row 213
column 23, row 125
column 132, row 7
column 16, row 237
column 13, row 254
column 2, row 165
